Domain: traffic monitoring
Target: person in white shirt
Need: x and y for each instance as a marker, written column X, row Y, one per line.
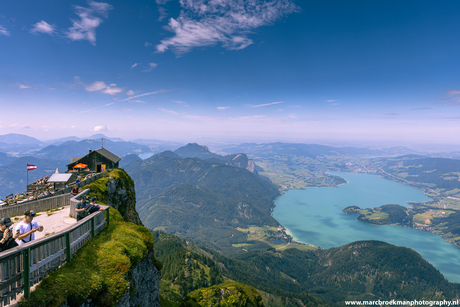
column 27, row 228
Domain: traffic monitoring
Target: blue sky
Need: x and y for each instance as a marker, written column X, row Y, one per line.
column 381, row 71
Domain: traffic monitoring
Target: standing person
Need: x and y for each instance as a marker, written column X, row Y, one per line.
column 6, row 233
column 27, row 228
column 80, row 208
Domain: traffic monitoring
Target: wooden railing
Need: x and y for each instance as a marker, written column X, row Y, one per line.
column 25, row 265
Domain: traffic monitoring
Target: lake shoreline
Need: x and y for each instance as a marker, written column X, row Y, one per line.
column 314, row 217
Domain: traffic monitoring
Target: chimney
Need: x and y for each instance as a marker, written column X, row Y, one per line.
column 90, row 151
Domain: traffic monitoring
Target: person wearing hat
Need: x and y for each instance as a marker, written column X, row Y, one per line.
column 93, row 207
column 80, row 208
column 27, row 228
column 6, row 233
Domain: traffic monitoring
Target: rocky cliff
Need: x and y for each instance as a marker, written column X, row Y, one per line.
column 117, row 190
column 117, row 267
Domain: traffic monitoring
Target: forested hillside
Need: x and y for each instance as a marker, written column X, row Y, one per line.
column 201, row 200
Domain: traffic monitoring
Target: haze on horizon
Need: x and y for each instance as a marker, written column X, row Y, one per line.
column 350, row 72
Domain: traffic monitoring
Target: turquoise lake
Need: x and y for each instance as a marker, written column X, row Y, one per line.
column 314, row 216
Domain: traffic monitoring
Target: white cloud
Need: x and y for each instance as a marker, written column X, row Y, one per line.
column 147, row 44
column 267, row 104
column 4, row 31
column 21, row 86
column 206, row 23
column 130, row 93
column 112, row 90
column 168, row 111
column 150, row 67
column 85, row 27
column 331, row 100
column 43, row 27
column 109, row 104
column 222, row 108
column 134, row 65
column 138, row 101
column 96, row 86
column 99, row 128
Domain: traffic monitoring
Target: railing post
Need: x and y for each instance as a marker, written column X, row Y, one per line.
column 92, row 227
column 67, row 247
column 26, row 272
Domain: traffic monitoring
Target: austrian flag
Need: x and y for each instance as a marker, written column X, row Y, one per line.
column 31, row 167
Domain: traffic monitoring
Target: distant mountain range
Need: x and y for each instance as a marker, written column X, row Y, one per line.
column 311, row 150
column 19, row 139
column 74, row 149
column 77, row 139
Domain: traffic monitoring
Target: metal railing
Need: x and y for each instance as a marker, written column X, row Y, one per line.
column 25, row 265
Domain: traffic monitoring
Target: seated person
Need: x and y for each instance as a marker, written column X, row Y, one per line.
column 81, row 207
column 75, row 190
column 93, row 207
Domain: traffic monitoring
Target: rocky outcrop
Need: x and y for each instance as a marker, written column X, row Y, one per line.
column 144, row 289
column 116, row 189
column 121, row 196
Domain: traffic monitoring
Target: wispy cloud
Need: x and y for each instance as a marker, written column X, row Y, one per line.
column 180, row 102
column 90, row 18
column 134, row 65
column 109, row 104
column 168, row 111
column 452, row 98
column 453, row 92
column 21, row 86
column 331, row 100
column 130, row 93
column 147, row 44
column 43, row 27
column 4, row 31
column 206, row 23
column 150, row 67
column 424, row 108
column 266, row 104
column 145, row 94
column 222, row 108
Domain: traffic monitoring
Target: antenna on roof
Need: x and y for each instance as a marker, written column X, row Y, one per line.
column 102, row 143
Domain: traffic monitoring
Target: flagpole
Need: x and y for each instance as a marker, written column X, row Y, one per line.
column 27, row 170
